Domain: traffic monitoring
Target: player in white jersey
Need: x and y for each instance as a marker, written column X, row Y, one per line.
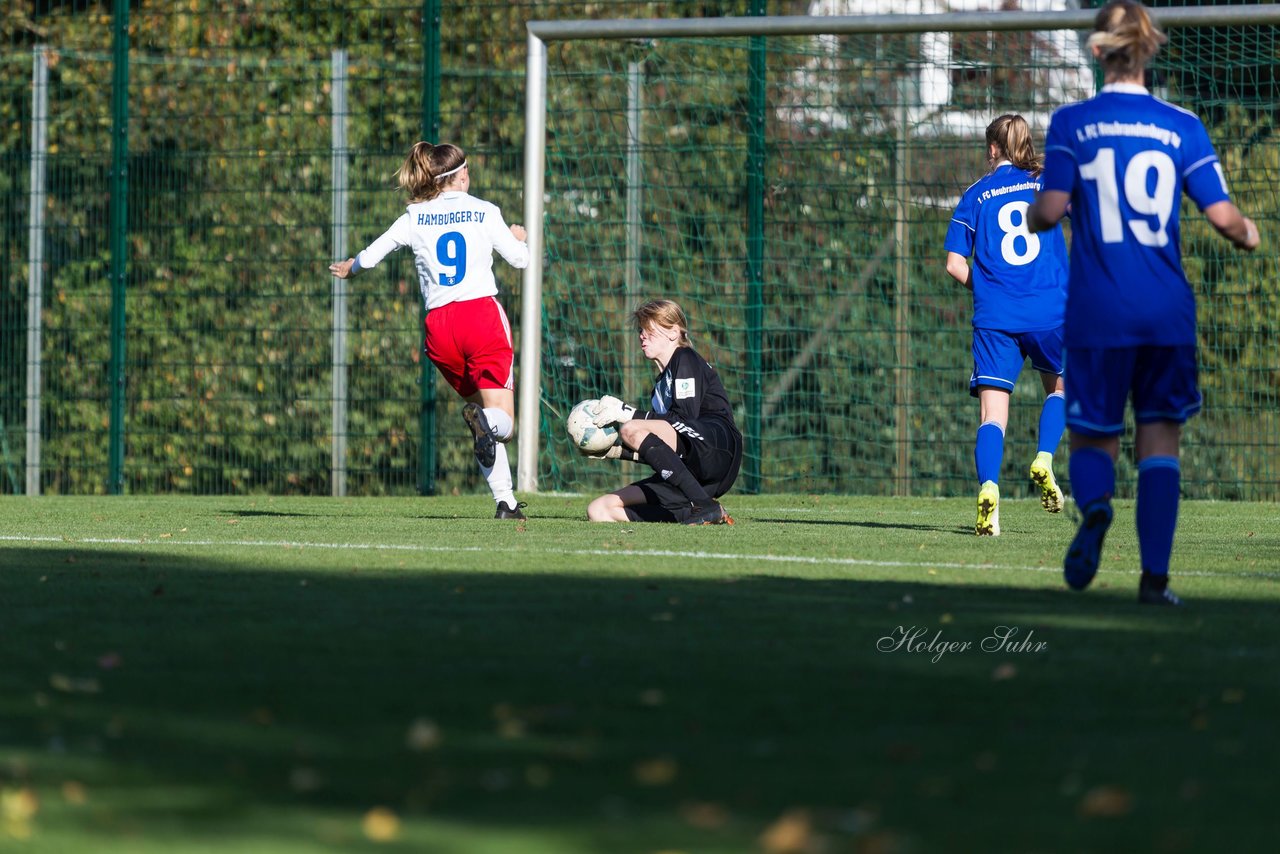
column 453, row 236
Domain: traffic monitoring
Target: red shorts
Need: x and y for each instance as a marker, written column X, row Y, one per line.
column 470, row 342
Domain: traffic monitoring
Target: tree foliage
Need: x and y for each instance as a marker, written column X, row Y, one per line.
column 229, row 231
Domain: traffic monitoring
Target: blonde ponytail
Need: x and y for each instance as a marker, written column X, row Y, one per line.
column 1011, row 135
column 421, row 174
column 1125, row 37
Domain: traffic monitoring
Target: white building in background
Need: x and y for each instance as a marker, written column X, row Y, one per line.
column 1058, row 62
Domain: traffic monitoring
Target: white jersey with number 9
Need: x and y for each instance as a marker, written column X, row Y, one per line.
column 453, row 237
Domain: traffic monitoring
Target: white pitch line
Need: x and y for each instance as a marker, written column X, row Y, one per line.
column 666, row 553
column 295, row 544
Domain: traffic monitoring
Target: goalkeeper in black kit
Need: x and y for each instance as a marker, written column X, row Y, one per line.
column 688, row 437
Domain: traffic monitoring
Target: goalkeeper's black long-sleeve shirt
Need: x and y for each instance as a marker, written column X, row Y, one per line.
column 689, row 389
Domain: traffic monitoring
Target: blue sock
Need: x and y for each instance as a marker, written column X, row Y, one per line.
column 1093, row 475
column 988, row 453
column 1159, row 482
column 1053, row 420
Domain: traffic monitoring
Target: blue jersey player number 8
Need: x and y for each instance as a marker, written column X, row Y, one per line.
column 1013, row 231
column 1018, row 280
column 451, row 249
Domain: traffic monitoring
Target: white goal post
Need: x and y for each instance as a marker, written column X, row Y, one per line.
column 541, row 32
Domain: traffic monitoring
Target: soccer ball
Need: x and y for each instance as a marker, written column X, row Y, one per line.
column 585, row 435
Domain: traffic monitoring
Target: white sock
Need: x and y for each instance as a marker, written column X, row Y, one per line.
column 500, row 422
column 499, row 477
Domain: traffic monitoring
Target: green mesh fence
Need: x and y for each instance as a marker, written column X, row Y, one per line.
column 228, row 379
column 869, row 141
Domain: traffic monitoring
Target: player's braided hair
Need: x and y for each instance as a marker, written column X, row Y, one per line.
column 1126, row 37
column 422, row 175
column 664, row 313
column 1011, row 135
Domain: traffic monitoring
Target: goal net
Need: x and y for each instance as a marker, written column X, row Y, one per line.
column 790, row 181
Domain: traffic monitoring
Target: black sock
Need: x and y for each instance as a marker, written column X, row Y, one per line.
column 663, row 460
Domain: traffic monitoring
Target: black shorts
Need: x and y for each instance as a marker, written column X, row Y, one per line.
column 712, row 451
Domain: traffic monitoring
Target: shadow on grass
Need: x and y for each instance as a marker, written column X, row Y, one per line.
column 852, row 523
column 269, row 513
column 482, row 512
column 639, row 713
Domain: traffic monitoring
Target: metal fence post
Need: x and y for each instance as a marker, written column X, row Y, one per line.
column 635, row 190
column 430, row 132
column 754, row 438
column 338, row 81
column 902, row 302
column 35, row 259
column 118, row 241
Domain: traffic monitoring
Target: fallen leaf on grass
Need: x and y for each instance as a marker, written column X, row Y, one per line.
column 1004, row 672
column 303, row 779
column 381, row 825
column 18, row 804
column 511, row 728
column 423, row 735
column 537, row 776
column 652, row 697
column 1106, row 802
column 655, row 772
column 74, row 793
column 17, row 808
column 73, row 684
column 704, row 815
column 792, row 832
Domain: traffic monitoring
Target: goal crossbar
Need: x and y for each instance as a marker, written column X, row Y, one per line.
column 812, row 25
column 541, row 32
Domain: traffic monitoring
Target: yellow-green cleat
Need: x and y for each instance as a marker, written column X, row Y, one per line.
column 1042, row 476
column 988, row 510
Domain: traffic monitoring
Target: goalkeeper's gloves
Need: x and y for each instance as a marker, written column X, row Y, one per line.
column 613, row 452
column 610, row 410
column 617, row 452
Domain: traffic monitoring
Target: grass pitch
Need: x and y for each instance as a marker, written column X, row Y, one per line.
column 304, row 675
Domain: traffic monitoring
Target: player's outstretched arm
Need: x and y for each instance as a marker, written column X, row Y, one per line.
column 1049, row 207
column 1227, row 220
column 509, row 240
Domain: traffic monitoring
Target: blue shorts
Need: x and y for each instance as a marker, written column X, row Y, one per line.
column 1162, row 381
column 998, row 356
